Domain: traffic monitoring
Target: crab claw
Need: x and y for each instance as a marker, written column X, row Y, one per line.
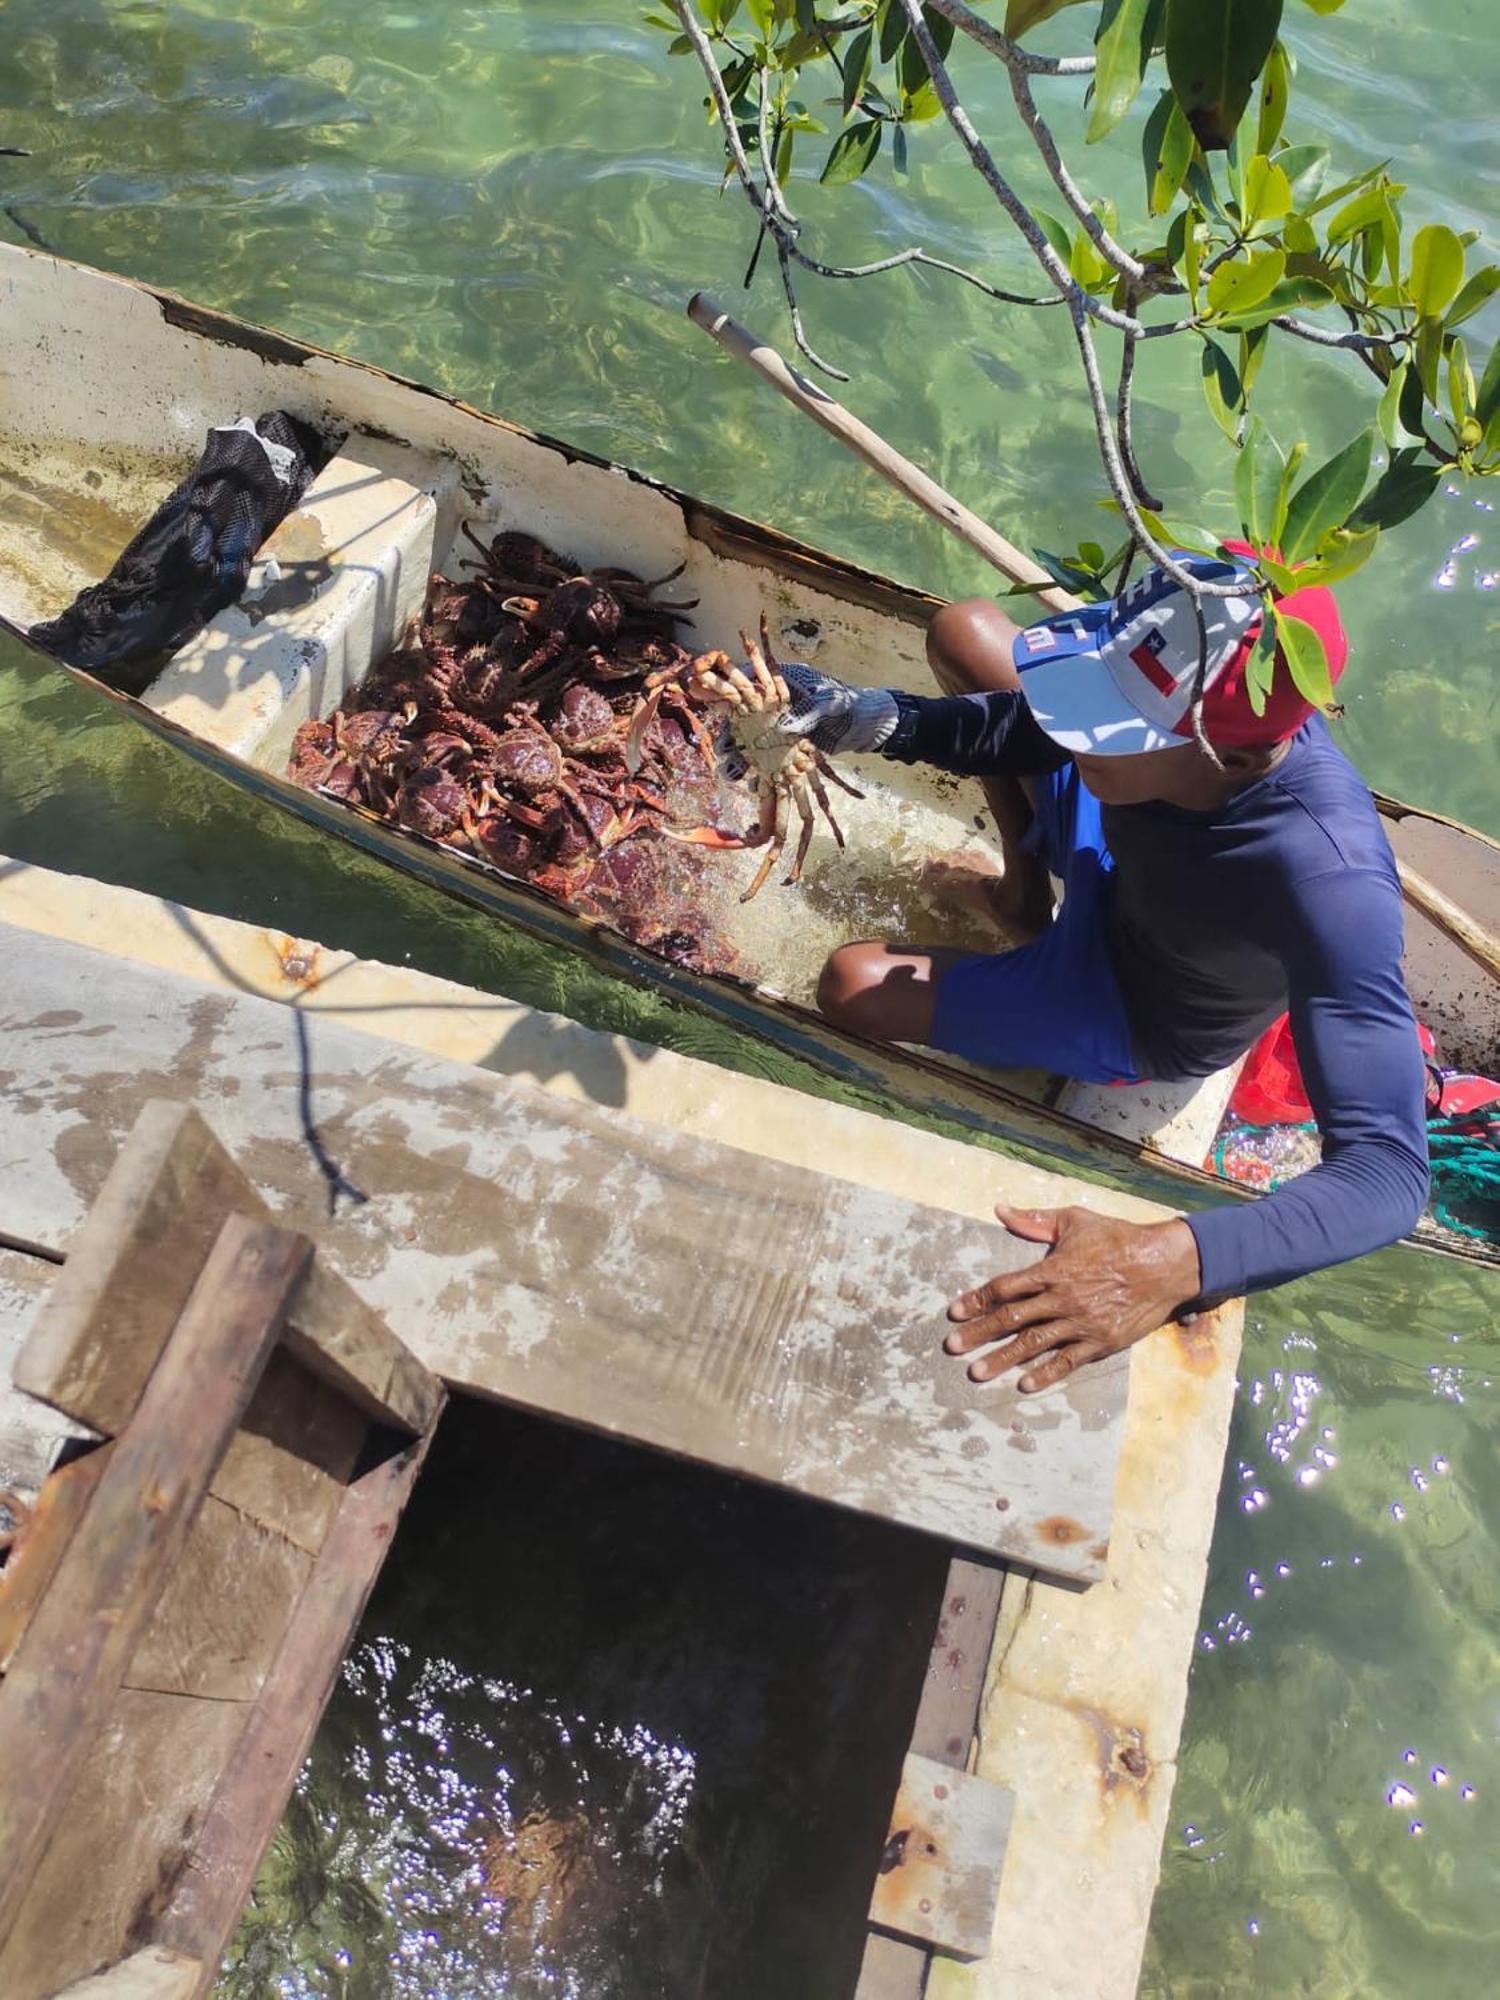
column 635, row 738
column 711, row 836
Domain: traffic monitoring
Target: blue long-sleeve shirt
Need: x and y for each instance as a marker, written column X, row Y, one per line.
column 1285, row 899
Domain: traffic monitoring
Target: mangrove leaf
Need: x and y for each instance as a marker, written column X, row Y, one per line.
column 1215, row 51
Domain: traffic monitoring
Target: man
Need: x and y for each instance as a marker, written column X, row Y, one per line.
column 1200, row 901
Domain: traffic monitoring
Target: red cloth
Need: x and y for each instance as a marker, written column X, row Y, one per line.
column 1228, row 718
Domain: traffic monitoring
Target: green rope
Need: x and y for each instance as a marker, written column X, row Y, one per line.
column 1466, row 1176
column 1465, row 1171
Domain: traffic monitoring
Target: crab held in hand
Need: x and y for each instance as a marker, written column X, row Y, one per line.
column 786, row 770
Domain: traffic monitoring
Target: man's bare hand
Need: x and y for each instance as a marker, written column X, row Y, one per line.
column 1102, row 1285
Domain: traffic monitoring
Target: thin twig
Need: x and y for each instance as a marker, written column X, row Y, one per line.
column 999, row 186
column 1321, row 337
column 1112, row 253
column 1010, row 52
column 775, row 215
column 783, row 258
column 1125, row 424
column 1200, row 687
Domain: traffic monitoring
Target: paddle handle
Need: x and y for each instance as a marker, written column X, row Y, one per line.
column 877, row 454
column 1454, row 922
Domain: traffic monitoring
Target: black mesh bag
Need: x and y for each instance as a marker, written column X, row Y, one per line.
column 192, row 557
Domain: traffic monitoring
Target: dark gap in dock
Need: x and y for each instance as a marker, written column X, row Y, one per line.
column 614, row 1726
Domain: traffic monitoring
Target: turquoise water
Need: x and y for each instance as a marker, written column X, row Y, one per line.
column 512, row 200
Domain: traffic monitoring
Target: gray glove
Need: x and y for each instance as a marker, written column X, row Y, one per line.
column 833, row 716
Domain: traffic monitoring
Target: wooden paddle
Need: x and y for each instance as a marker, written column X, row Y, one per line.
column 1455, row 923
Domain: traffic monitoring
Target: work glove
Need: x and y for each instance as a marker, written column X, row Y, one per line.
column 833, row 716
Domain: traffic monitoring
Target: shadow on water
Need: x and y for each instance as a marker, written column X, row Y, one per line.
column 614, row 1728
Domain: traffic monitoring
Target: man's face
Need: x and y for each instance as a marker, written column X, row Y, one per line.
column 1138, row 780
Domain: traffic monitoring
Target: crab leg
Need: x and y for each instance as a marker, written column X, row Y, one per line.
column 829, row 772
column 635, row 738
column 773, row 826
column 794, row 873
column 815, row 784
column 769, row 689
column 711, row 836
column 677, row 700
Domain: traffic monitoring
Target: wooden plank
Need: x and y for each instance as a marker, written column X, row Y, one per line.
column 940, row 1874
column 892, row 1969
column 778, row 1323
column 248, row 1804
column 222, row 1611
column 152, row 1974
column 70, row 1661
column 948, row 1712
column 30, row 1433
column 43, row 1542
column 129, row 1270
column 1458, row 1001
column 143, row 1789
column 297, row 1444
column 132, row 1266
column 337, row 1337
column 943, row 1732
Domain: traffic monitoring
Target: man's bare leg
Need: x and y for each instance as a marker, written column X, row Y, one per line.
column 969, row 650
column 884, row 990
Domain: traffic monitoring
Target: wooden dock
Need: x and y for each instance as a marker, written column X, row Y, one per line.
column 762, row 1279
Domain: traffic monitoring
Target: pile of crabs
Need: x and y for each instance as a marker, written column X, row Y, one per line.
column 546, row 720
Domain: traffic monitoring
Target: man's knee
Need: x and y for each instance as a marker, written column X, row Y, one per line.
column 969, row 648
column 881, row 990
column 848, row 986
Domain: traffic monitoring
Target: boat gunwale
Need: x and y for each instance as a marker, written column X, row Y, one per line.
column 861, row 1061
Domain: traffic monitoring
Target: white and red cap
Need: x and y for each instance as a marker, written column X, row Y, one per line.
column 1115, row 679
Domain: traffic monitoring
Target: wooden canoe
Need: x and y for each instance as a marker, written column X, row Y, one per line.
column 106, row 390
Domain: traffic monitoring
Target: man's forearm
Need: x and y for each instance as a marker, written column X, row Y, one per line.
column 968, row 734
column 1361, row 1200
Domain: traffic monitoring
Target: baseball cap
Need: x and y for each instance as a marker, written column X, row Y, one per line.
column 1116, row 679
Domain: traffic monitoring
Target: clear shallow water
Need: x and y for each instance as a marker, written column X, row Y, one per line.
column 616, row 1728
column 512, row 201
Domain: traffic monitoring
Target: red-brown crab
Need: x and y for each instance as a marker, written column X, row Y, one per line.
column 785, row 770
column 347, row 753
column 544, row 719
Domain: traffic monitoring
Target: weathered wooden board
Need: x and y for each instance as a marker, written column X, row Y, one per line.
column 941, row 1870
column 206, row 1900
column 1458, row 1001
column 222, row 1611
column 296, row 1446
column 48, row 1529
column 895, row 1968
column 152, row 1974
column 704, row 1300
column 152, row 1223
column 148, row 1780
column 70, row 1660
column 29, row 1434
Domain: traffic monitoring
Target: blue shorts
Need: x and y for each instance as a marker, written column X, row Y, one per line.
column 1054, row 1004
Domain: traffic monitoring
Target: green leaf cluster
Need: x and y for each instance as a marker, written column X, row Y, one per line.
column 1249, row 234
